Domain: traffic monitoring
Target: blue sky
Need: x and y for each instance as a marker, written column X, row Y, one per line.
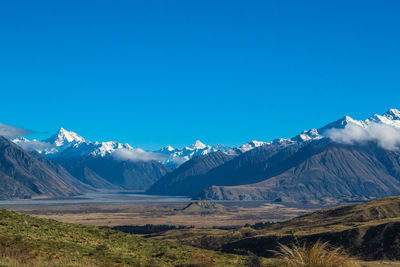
column 153, row 73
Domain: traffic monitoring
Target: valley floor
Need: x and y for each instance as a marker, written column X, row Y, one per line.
column 177, row 213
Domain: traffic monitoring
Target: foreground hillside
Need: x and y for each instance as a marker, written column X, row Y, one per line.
column 25, row 240
column 366, row 231
column 370, row 231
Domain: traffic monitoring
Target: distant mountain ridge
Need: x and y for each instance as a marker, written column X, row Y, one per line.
column 321, row 171
column 111, row 173
column 175, row 182
column 70, row 144
column 95, row 164
column 308, row 167
column 177, row 156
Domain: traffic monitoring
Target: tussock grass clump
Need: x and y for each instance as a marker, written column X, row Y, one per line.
column 317, row 255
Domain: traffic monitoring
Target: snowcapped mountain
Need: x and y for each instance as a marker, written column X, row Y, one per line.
column 235, row 151
column 390, row 118
column 68, row 143
column 177, row 156
column 314, row 160
column 22, row 140
column 60, row 141
column 250, row 145
column 35, row 145
column 64, row 138
column 95, row 149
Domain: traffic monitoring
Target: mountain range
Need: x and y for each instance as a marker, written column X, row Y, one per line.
column 66, row 143
column 115, row 165
column 346, row 160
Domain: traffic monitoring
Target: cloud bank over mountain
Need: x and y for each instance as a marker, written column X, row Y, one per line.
column 137, row 155
column 386, row 136
column 34, row 145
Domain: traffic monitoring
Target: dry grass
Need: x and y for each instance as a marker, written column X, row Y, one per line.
column 316, row 255
column 113, row 214
column 341, row 218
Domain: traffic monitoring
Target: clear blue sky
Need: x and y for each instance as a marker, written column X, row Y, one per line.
column 153, row 73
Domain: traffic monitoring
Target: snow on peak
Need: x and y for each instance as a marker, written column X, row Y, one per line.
column 199, row 145
column 250, row 145
column 69, row 143
column 309, row 135
column 106, row 148
column 169, row 148
column 177, row 156
column 166, row 149
column 391, row 117
column 221, row 147
column 348, row 119
column 257, row 143
column 392, row 114
column 20, row 139
column 64, row 137
column 340, row 124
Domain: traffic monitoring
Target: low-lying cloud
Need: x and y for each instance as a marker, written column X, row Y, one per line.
column 35, row 145
column 386, row 136
column 12, row 131
column 137, row 155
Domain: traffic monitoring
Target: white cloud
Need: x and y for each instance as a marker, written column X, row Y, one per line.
column 137, row 155
column 12, row 131
column 386, row 136
column 35, row 146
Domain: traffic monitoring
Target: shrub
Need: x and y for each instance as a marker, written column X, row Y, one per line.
column 316, row 255
column 253, row 261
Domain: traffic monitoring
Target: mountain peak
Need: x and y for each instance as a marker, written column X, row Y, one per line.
column 250, row 145
column 20, row 139
column 309, row 135
column 256, row 143
column 199, row 145
column 169, row 148
column 347, row 119
column 62, row 137
column 393, row 114
column 340, row 124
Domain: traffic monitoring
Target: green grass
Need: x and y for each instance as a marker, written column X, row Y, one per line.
column 30, row 241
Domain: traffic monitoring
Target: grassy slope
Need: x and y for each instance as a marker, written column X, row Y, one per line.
column 41, row 242
column 341, row 218
column 360, row 217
